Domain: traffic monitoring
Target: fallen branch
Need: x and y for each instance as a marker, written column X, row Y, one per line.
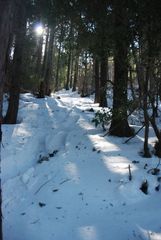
column 156, row 170
column 135, row 134
column 159, row 163
column 36, row 221
column 42, row 186
column 130, row 175
column 66, row 180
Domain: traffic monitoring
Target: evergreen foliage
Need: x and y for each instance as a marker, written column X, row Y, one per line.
column 102, row 117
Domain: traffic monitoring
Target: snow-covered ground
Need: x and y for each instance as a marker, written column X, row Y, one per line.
column 62, row 180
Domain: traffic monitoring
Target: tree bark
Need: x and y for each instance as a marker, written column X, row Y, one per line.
column 6, row 19
column 84, row 87
column 71, row 71
column 58, row 68
column 131, row 83
column 20, row 31
column 97, row 80
column 48, row 72
column 146, row 119
column 76, row 72
column 45, row 53
column 119, row 125
column 103, row 80
column 68, row 69
column 69, row 57
column 39, row 59
column 146, row 82
column 6, row 24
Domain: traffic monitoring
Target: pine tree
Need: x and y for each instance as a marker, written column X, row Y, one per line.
column 6, row 19
column 119, row 125
column 20, row 32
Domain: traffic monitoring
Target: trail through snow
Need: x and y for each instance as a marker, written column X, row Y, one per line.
column 62, row 180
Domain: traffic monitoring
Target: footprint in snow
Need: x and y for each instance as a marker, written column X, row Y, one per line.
column 26, row 177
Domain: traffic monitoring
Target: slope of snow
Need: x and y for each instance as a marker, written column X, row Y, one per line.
column 62, row 179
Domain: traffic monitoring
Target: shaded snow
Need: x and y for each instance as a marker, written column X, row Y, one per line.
column 63, row 180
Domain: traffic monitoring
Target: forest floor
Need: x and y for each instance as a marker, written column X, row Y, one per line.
column 62, row 180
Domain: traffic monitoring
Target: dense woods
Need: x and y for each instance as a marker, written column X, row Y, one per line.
column 50, row 45
column 89, row 47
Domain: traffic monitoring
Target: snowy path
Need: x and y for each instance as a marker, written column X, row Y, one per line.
column 62, row 180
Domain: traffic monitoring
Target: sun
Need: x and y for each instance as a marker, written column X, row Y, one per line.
column 39, row 29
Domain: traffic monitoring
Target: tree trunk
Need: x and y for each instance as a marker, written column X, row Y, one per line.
column 6, row 19
column 158, row 135
column 48, row 72
column 119, row 125
column 68, row 69
column 20, row 31
column 58, row 68
column 97, row 80
column 145, row 108
column 146, row 119
column 103, row 80
column 39, row 59
column 84, row 88
column 148, row 88
column 45, row 53
column 69, row 56
column 76, row 72
column 1, row 216
column 131, row 84
column 41, row 93
column 71, row 72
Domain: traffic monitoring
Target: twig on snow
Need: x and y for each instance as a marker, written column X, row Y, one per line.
column 130, row 175
column 66, row 180
column 42, row 186
column 135, row 134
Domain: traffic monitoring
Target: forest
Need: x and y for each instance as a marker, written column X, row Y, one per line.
column 80, row 119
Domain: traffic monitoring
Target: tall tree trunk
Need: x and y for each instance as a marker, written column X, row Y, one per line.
column 58, row 68
column 39, row 59
column 8, row 67
column 48, row 72
column 146, row 118
column 71, row 71
column 45, row 54
column 68, row 69
column 6, row 25
column 103, row 80
column 84, row 88
column 131, row 83
column 20, row 31
column 119, row 125
column 97, row 80
column 149, row 58
column 102, row 51
column 76, row 72
column 6, row 19
column 139, row 71
column 69, row 56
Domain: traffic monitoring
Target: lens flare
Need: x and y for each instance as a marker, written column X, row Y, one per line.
column 39, row 29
